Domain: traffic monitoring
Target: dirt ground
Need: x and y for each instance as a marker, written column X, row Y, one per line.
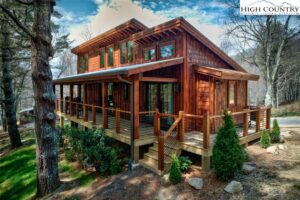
column 275, row 177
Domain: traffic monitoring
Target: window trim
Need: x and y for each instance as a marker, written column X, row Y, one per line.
column 149, row 48
column 160, row 45
column 235, row 93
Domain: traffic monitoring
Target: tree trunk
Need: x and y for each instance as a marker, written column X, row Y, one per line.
column 46, row 133
column 269, row 93
column 9, row 100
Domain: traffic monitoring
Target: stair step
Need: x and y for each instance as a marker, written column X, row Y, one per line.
column 155, row 157
column 150, row 165
column 168, row 145
column 153, row 150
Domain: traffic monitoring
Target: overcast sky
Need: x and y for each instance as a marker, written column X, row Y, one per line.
column 102, row 15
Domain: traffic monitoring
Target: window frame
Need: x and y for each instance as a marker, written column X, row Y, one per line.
column 163, row 44
column 107, row 48
column 234, row 95
column 149, row 48
column 86, row 62
column 80, row 62
column 126, row 51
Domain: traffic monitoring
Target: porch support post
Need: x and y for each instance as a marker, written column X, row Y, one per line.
column 61, row 98
column 61, row 121
column 205, row 162
column 84, row 103
column 71, row 99
column 136, row 105
column 104, row 111
column 245, row 125
column 268, row 118
column 258, row 120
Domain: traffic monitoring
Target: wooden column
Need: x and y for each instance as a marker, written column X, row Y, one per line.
column 258, row 120
column 61, row 98
column 268, row 118
column 136, row 109
column 94, row 114
column 155, row 122
column 181, row 127
column 85, row 115
column 71, row 99
column 206, row 131
column 118, row 120
column 104, row 111
column 245, row 125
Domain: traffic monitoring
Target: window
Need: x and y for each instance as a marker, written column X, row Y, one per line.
column 166, row 51
column 102, row 57
column 130, row 51
column 81, row 64
column 232, row 93
column 86, row 60
column 123, row 50
column 110, row 56
column 149, row 54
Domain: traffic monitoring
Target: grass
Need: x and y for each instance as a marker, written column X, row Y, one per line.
column 18, row 172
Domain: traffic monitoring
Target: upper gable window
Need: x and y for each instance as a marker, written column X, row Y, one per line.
column 232, row 93
column 149, row 54
column 126, row 52
column 123, row 51
column 110, row 56
column 167, row 50
column 102, row 57
column 130, row 51
column 81, row 64
column 86, row 62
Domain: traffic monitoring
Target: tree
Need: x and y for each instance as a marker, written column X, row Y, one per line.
column 262, row 40
column 227, row 156
column 41, row 50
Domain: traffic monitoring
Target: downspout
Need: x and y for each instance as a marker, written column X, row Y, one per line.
column 131, row 161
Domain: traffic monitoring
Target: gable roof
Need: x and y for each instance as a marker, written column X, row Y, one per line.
column 120, row 32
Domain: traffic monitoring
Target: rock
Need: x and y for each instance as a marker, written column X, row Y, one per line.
column 281, row 140
column 273, row 150
column 247, row 168
column 286, row 134
column 165, row 179
column 282, row 147
column 234, row 187
column 196, row 183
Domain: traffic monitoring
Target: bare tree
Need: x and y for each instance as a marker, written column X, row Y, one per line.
column 267, row 37
column 87, row 33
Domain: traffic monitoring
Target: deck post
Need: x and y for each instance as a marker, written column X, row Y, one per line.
column 117, row 120
column 61, row 98
column 104, row 110
column 181, row 127
column 71, row 99
column 136, row 105
column 62, row 121
column 161, row 153
column 258, row 120
column 77, row 111
column 268, row 118
column 206, row 131
column 245, row 124
column 94, row 114
column 136, row 155
column 205, row 163
column 85, row 116
column 155, row 122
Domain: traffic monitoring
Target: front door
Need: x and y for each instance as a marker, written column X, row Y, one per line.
column 161, row 96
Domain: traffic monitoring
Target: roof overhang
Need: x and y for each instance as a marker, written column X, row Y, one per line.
column 226, row 74
column 114, row 73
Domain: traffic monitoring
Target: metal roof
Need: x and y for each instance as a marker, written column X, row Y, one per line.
column 121, row 71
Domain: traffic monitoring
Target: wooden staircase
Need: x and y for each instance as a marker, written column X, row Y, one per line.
column 150, row 160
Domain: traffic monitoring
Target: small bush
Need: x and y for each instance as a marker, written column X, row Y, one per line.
column 175, row 174
column 265, row 140
column 275, row 133
column 115, row 166
column 184, row 163
column 228, row 155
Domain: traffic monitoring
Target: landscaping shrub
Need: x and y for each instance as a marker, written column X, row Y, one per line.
column 115, row 166
column 184, row 163
column 228, row 155
column 275, row 133
column 265, row 140
column 91, row 148
column 175, row 174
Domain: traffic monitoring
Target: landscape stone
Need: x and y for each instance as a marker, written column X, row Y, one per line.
column 282, row 147
column 247, row 168
column 234, row 187
column 165, row 179
column 273, row 149
column 196, row 183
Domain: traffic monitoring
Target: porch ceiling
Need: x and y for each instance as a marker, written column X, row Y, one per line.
column 227, row 74
column 124, row 71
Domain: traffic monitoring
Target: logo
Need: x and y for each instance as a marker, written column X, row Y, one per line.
column 270, row 7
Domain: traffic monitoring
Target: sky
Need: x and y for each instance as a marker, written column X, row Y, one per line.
column 98, row 16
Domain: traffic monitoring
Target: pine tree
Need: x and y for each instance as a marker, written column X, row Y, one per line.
column 275, row 133
column 175, row 174
column 228, row 156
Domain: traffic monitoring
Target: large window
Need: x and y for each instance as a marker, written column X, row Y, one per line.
column 166, row 50
column 81, row 64
column 232, row 93
column 123, row 50
column 110, row 56
column 102, row 57
column 130, row 51
column 86, row 62
column 149, row 54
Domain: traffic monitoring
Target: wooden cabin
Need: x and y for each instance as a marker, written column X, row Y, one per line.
column 165, row 87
